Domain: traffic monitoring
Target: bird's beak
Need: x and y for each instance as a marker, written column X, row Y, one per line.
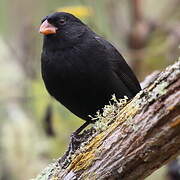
column 47, row 28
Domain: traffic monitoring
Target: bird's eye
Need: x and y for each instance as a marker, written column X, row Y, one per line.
column 62, row 21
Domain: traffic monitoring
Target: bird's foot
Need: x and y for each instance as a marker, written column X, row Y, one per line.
column 74, row 144
column 75, row 141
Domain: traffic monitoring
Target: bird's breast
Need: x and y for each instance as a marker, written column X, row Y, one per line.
column 78, row 82
column 62, row 73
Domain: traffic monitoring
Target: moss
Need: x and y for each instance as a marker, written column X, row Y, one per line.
column 158, row 91
column 47, row 172
column 109, row 114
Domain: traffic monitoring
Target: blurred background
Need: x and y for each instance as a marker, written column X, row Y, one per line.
column 34, row 128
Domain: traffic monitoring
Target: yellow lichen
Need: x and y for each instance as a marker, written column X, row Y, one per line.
column 88, row 153
column 176, row 122
column 54, row 178
column 84, row 159
column 170, row 108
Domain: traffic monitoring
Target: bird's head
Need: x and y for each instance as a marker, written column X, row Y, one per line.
column 63, row 27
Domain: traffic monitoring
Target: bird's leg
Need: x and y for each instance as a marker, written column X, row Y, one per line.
column 76, row 133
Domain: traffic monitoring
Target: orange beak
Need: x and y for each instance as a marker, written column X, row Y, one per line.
column 47, row 28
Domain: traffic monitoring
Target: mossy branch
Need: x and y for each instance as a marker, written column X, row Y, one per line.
column 144, row 136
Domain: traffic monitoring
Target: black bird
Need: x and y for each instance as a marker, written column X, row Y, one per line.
column 80, row 69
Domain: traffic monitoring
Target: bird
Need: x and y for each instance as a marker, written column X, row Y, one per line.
column 81, row 69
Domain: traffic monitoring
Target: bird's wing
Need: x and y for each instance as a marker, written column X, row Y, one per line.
column 120, row 67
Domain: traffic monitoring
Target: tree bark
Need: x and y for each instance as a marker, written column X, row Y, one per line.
column 144, row 136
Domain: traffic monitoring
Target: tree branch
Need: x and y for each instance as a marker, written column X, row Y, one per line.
column 144, row 136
